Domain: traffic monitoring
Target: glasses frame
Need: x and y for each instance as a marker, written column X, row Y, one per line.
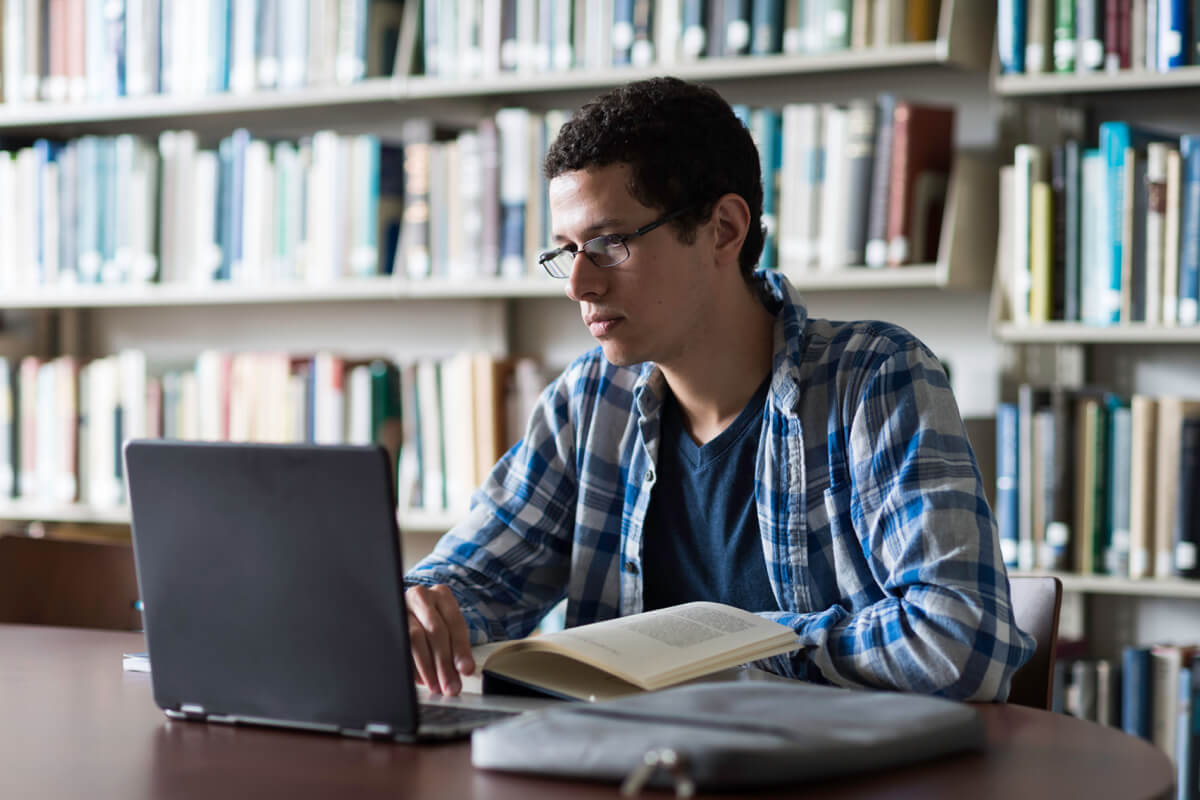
column 546, row 258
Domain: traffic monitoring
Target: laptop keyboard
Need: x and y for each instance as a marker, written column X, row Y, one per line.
column 446, row 715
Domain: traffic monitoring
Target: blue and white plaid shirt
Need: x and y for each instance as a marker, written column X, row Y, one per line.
column 880, row 546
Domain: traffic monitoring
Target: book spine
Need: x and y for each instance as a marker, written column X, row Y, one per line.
column 1058, row 476
column 622, row 33
column 1193, row 44
column 7, row 472
column 1028, row 166
column 1112, row 49
column 1064, row 36
column 1171, row 32
column 736, row 27
column 1116, row 557
column 1007, row 500
column 921, row 20
column 1134, row 271
column 1192, row 781
column 835, row 26
column 694, row 42
column 1144, row 433
column 642, row 51
column 768, row 27
column 1114, row 141
column 860, row 160
column 1070, row 230
column 1041, row 251
column 1187, row 520
column 881, row 173
column 1039, row 36
column 1185, row 781
column 1136, row 691
column 766, row 125
column 1089, row 35
column 1155, row 230
column 1139, row 13
column 1189, row 255
column 1171, row 240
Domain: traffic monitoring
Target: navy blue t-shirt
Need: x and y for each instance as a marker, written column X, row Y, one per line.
column 701, row 535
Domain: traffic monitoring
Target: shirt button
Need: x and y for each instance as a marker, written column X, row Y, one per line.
column 649, row 475
column 631, row 567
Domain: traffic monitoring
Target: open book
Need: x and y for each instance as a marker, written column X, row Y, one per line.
column 630, row 654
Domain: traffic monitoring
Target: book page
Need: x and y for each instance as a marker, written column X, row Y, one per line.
column 669, row 644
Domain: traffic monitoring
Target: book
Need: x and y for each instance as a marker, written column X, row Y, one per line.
column 1172, row 411
column 1136, row 691
column 626, row 655
column 1189, row 231
column 1064, row 36
column 922, row 147
column 1187, row 522
column 1089, row 35
column 1010, row 35
column 1141, row 493
column 1007, row 504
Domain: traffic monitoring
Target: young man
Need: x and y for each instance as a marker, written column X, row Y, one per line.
column 720, row 444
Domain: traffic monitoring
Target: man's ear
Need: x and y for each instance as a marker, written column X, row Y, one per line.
column 731, row 222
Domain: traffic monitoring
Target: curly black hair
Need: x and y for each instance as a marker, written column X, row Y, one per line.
column 685, row 147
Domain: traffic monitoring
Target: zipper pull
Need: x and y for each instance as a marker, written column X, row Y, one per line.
column 669, row 760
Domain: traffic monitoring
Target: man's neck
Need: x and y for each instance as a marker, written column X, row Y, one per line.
column 715, row 382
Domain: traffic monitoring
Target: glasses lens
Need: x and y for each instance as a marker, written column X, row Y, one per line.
column 559, row 266
column 606, row 251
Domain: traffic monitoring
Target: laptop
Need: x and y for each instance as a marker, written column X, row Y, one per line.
column 271, row 581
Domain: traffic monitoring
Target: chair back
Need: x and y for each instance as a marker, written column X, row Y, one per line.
column 1036, row 601
column 70, row 583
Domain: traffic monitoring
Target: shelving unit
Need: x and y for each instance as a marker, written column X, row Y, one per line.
column 1046, row 85
column 404, row 318
column 1079, row 333
column 1112, row 612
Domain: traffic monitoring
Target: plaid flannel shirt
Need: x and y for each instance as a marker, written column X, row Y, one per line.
column 880, row 546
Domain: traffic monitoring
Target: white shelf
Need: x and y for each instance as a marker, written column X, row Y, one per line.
column 1050, row 84
column 38, row 511
column 209, row 294
column 166, row 107
column 385, row 289
column 1076, row 332
column 1139, row 587
column 912, row 276
column 413, row 94
column 714, row 71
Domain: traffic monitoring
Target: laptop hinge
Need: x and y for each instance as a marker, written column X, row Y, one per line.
column 192, row 710
column 378, row 730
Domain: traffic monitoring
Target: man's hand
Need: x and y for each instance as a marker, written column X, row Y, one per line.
column 437, row 633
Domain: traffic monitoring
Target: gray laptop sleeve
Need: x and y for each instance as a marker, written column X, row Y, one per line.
column 730, row 735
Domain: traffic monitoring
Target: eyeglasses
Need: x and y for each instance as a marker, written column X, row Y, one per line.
column 604, row 251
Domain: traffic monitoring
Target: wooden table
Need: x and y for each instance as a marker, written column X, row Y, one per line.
column 73, row 725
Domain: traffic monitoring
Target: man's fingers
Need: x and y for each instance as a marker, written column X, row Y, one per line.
column 422, row 658
column 428, row 609
column 456, row 625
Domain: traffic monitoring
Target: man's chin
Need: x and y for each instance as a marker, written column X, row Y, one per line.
column 618, row 356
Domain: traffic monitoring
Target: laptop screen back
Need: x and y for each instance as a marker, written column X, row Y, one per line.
column 271, row 579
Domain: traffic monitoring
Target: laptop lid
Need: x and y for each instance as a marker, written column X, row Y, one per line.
column 272, row 584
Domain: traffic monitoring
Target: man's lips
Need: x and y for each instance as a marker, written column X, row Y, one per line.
column 601, row 324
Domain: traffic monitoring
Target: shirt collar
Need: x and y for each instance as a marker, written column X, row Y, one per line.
column 783, row 301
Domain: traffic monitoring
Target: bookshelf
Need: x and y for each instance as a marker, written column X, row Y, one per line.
column 405, row 318
column 1079, row 333
column 1050, row 85
column 1109, row 613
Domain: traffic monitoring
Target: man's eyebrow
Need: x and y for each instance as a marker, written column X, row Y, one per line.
column 607, row 225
